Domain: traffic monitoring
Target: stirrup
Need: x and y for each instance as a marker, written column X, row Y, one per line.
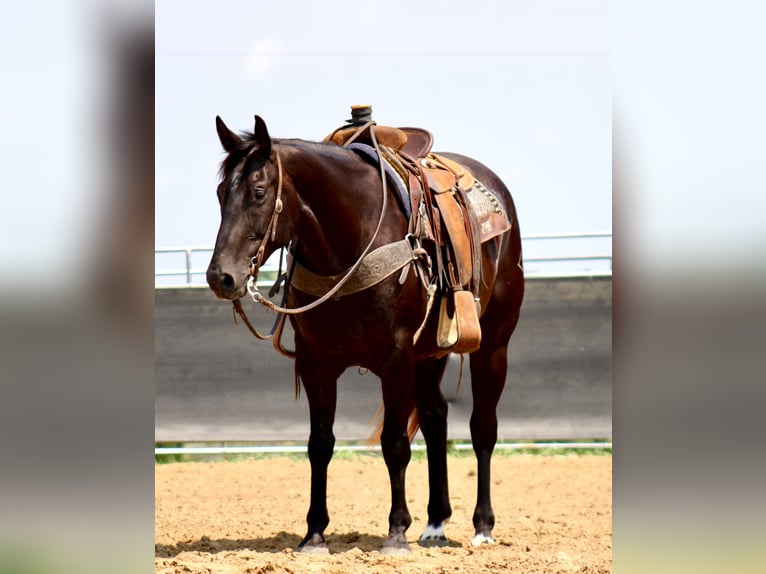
column 460, row 333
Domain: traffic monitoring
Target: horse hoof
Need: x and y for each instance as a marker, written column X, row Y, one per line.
column 314, row 549
column 396, row 545
column 396, row 550
column 433, row 537
column 481, row 539
column 435, row 542
column 314, row 545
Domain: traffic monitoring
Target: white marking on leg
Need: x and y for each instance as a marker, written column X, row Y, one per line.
column 433, row 532
column 480, row 539
column 433, row 535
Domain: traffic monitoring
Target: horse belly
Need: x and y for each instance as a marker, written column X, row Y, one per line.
column 364, row 329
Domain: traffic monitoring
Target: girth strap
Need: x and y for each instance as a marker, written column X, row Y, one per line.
column 376, row 266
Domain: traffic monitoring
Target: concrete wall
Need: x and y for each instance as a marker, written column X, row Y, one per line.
column 216, row 382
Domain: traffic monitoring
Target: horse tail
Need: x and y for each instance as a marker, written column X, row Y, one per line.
column 413, row 427
column 377, row 421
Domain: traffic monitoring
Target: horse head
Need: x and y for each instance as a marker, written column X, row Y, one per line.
column 249, row 197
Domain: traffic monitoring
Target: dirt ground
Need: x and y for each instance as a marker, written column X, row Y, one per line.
column 554, row 514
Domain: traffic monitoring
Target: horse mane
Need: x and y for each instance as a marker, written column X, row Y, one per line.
column 330, row 150
column 248, row 142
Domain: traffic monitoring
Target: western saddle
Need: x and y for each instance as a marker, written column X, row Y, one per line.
column 441, row 196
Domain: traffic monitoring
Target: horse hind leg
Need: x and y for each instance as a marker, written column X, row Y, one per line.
column 432, row 416
column 396, row 453
column 488, row 369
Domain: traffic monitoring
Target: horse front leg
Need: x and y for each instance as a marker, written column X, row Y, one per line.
column 321, row 385
column 395, row 443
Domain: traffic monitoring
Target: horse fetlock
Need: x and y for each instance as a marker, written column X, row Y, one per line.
column 483, row 519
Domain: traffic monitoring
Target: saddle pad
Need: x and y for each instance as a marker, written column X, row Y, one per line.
column 402, row 192
column 490, row 212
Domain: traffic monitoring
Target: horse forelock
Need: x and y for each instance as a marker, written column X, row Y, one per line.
column 231, row 161
column 248, row 143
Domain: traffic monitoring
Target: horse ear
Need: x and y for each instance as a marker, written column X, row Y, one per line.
column 229, row 140
column 262, row 136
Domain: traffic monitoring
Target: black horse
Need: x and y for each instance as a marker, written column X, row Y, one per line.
column 333, row 205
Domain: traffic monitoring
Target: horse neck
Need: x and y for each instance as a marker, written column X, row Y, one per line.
column 338, row 196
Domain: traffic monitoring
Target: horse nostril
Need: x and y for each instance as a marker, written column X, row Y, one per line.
column 228, row 281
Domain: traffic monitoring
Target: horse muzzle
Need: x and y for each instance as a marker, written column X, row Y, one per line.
column 227, row 284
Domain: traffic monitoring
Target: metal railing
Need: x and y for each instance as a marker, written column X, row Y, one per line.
column 545, row 255
column 190, row 271
column 590, row 264
column 415, row 446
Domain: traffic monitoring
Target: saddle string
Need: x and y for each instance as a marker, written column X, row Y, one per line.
column 252, row 287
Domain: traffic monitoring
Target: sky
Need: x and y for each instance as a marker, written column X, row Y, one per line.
column 525, row 87
column 540, row 91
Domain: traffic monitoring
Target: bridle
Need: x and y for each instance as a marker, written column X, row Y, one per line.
column 270, row 234
column 271, row 228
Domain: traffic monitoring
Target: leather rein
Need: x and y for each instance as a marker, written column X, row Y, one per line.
column 270, row 234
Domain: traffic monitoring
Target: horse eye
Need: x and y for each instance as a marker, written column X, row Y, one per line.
column 260, row 195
